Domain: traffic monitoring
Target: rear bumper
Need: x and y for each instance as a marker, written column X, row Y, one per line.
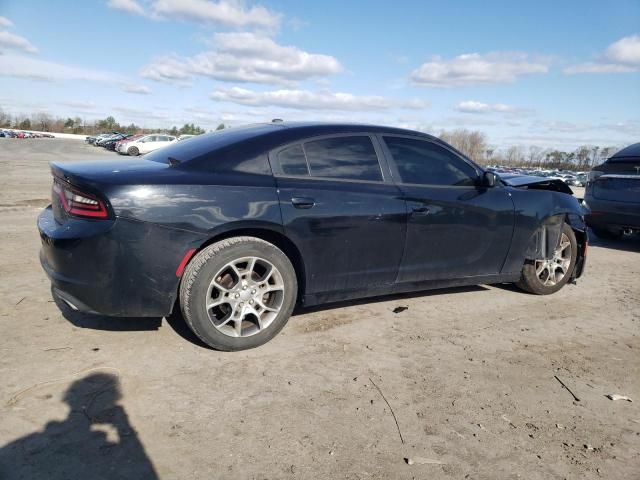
column 613, row 215
column 116, row 267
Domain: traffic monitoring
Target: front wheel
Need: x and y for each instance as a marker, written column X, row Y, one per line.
column 238, row 293
column 133, row 151
column 542, row 276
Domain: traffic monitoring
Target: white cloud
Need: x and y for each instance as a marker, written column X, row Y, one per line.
column 36, row 69
column 130, row 6
column 5, row 22
column 168, row 70
column 477, row 69
column 81, row 106
column 230, row 13
column 307, row 100
column 227, row 13
column 245, row 57
column 625, row 51
column 622, row 56
column 139, row 89
column 595, row 67
column 16, row 42
column 22, row 66
column 471, row 106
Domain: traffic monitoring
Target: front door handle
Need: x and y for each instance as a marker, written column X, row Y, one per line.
column 303, row 202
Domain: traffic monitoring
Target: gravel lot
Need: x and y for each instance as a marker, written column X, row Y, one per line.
column 468, row 372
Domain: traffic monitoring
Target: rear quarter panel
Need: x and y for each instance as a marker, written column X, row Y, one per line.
column 206, row 203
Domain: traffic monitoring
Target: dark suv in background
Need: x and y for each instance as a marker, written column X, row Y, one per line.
column 613, row 195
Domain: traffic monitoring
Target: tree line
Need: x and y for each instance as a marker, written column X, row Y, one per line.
column 471, row 142
column 43, row 122
column 475, row 145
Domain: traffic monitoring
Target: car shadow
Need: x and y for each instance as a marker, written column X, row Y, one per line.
column 630, row 243
column 397, row 297
column 103, row 322
column 95, row 441
column 177, row 322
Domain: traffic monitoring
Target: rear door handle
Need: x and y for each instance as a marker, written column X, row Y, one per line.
column 420, row 210
column 303, row 202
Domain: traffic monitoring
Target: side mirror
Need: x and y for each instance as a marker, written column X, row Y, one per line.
column 489, row 179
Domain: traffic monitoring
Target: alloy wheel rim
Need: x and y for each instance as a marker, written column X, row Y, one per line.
column 551, row 272
column 245, row 296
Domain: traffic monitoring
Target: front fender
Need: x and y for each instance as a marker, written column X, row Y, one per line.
column 539, row 215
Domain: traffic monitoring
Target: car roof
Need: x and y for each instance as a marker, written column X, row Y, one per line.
column 259, row 138
column 632, row 151
column 345, row 127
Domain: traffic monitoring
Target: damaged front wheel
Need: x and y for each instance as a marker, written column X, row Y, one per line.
column 545, row 276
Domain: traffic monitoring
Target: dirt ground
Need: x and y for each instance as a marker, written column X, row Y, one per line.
column 468, row 373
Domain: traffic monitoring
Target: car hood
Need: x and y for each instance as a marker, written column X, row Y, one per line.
column 537, row 183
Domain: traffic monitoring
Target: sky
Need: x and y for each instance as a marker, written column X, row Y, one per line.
column 556, row 74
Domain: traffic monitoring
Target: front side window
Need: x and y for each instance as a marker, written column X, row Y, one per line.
column 425, row 163
column 349, row 158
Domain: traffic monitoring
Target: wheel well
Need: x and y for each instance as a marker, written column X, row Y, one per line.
column 275, row 238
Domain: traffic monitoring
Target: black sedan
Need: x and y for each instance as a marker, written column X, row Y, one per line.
column 236, row 227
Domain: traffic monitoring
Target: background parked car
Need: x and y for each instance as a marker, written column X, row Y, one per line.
column 121, row 146
column 613, row 195
column 149, row 143
column 110, row 143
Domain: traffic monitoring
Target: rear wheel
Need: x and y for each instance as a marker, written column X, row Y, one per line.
column 606, row 234
column 238, row 293
column 133, row 151
column 542, row 276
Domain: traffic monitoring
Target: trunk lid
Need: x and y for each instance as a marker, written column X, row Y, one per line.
column 97, row 173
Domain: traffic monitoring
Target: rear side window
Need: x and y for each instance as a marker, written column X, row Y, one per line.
column 292, row 161
column 426, row 163
column 350, row 158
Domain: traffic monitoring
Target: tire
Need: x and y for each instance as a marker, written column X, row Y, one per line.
column 532, row 282
column 605, row 234
column 133, row 151
column 225, row 326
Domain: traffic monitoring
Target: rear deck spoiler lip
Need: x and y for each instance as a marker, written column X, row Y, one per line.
column 618, row 175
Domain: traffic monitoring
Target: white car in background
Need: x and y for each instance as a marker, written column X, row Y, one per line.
column 147, row 143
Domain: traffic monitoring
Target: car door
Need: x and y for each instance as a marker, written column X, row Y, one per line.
column 342, row 210
column 145, row 144
column 163, row 141
column 456, row 227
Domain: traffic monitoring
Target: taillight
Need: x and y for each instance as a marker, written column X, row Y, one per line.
column 80, row 204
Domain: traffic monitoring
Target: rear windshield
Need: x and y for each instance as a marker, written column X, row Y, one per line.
column 617, row 189
column 200, row 146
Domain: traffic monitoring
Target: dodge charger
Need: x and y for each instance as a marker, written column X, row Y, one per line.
column 237, row 227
